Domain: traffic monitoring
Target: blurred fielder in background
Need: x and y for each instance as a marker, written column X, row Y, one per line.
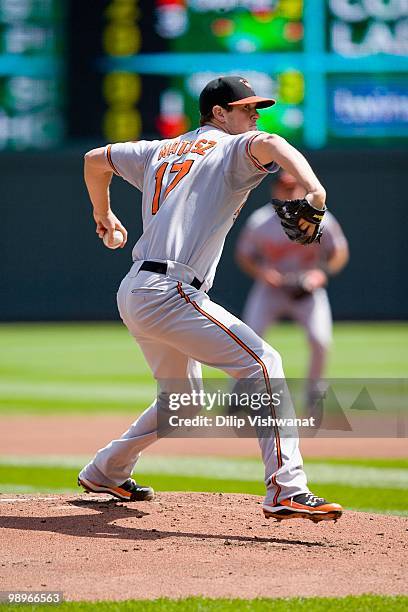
column 290, row 279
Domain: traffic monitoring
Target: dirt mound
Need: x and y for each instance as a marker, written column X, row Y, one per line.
column 181, row 544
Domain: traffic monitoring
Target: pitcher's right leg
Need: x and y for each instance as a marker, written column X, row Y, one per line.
column 114, row 463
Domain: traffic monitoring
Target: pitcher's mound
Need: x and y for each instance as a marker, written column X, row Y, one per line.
column 183, row 544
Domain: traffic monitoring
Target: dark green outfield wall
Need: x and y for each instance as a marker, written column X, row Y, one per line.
column 53, row 267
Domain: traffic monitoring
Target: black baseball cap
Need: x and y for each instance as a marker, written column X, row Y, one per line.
column 230, row 91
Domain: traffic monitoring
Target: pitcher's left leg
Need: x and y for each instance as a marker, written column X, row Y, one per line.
column 223, row 341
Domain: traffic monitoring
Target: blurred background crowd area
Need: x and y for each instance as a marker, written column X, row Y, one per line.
column 75, row 74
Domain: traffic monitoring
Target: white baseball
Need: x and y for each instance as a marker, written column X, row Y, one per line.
column 117, row 239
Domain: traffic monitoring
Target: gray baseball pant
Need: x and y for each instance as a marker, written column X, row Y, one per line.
column 177, row 328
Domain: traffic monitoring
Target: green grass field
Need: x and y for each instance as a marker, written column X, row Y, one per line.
column 382, row 487
column 84, row 368
column 98, row 367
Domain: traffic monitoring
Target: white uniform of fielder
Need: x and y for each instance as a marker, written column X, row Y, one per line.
column 263, row 239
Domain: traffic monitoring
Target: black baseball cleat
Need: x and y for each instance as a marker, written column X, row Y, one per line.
column 128, row 491
column 304, row 505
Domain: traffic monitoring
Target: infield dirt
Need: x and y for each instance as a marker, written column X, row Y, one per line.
column 83, row 435
column 181, row 544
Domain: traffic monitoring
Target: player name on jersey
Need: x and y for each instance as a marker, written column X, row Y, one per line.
column 181, row 147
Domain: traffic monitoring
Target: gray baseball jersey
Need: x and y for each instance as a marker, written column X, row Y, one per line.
column 193, row 188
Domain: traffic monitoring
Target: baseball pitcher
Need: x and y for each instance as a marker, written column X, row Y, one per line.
column 192, row 188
